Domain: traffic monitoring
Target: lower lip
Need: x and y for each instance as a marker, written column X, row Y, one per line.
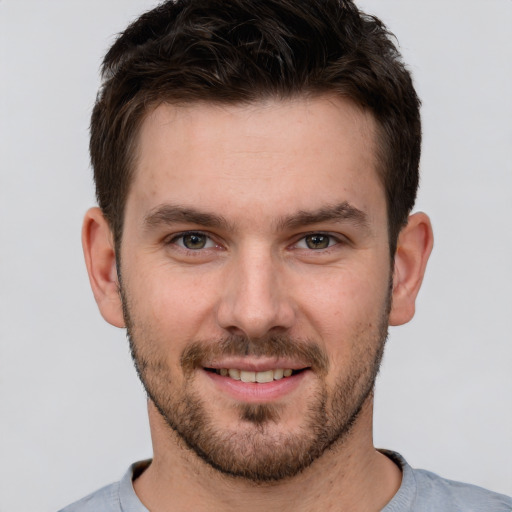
column 253, row 392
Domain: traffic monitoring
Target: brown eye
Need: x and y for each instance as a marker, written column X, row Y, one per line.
column 317, row 241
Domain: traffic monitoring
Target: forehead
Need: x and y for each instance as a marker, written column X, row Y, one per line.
column 273, row 156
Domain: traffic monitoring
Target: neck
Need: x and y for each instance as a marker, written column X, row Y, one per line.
column 351, row 475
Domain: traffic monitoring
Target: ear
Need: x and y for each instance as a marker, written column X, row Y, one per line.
column 100, row 259
column 415, row 243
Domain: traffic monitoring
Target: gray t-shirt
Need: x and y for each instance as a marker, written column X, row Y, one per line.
column 420, row 491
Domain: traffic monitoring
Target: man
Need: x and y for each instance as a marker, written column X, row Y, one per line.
column 256, row 163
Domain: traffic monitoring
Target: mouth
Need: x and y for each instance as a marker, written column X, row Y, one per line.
column 260, row 377
column 257, row 383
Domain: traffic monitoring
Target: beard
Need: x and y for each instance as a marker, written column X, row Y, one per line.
column 255, row 448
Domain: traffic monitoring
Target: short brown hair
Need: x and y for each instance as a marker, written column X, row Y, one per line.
column 241, row 51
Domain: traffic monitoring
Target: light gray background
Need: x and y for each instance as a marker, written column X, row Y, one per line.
column 71, row 409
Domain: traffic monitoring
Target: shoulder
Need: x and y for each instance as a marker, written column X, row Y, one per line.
column 116, row 497
column 103, row 500
column 461, row 496
column 423, row 491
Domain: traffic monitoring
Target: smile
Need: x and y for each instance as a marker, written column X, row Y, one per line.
column 252, row 376
column 251, row 386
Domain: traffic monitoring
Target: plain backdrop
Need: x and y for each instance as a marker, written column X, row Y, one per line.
column 72, row 412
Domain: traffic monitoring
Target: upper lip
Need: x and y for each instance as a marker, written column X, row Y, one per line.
column 259, row 364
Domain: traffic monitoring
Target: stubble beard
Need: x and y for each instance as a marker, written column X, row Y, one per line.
column 255, row 449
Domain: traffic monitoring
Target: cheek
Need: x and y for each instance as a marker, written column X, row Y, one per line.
column 344, row 297
column 175, row 304
column 347, row 313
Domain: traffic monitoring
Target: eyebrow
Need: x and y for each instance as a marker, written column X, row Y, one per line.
column 342, row 212
column 170, row 214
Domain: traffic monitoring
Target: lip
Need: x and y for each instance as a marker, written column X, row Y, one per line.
column 252, row 392
column 260, row 364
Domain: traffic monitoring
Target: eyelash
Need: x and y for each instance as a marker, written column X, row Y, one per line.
column 174, row 240
column 332, row 241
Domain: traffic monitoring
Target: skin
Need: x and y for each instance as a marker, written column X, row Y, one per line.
column 260, row 167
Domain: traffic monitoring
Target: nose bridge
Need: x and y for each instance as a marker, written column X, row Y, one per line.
column 254, row 301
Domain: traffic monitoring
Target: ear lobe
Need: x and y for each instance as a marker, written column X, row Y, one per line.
column 415, row 244
column 100, row 260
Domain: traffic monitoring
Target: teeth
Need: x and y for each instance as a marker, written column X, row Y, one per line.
column 261, row 377
column 247, row 376
column 267, row 376
column 278, row 374
column 234, row 374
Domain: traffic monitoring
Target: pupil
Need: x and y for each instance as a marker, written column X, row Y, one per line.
column 194, row 241
column 317, row 241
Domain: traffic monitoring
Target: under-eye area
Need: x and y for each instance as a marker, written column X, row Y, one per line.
column 253, row 376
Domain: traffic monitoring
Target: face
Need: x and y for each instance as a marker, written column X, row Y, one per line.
column 256, row 278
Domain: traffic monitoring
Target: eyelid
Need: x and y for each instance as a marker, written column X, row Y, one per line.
column 337, row 238
column 211, row 243
column 175, row 237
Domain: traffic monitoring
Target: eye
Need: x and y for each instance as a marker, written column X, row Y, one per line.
column 317, row 241
column 193, row 241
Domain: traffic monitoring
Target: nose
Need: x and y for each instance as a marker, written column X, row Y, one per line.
column 255, row 299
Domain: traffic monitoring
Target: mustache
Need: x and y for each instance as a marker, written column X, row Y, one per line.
column 199, row 353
